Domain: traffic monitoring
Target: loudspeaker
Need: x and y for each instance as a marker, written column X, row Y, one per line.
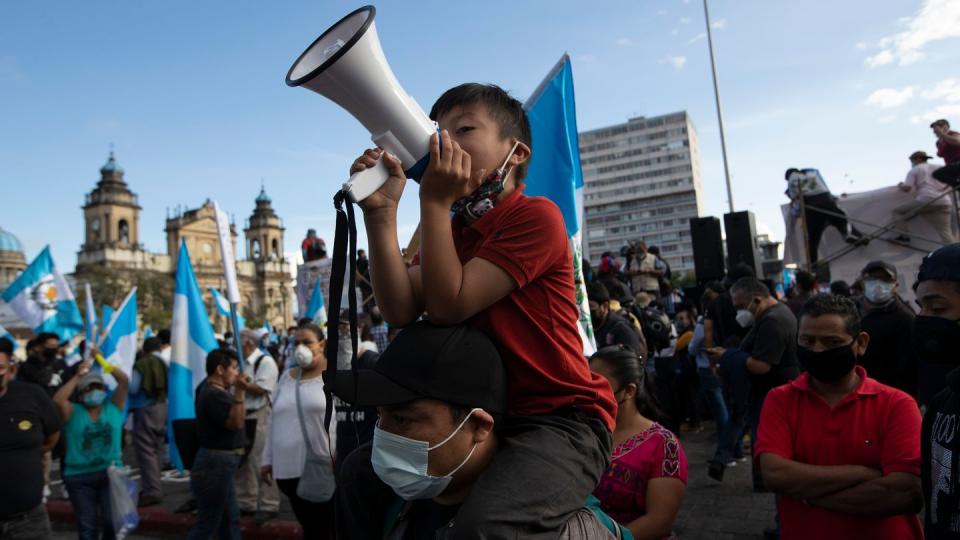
column 742, row 246
column 346, row 65
column 707, row 248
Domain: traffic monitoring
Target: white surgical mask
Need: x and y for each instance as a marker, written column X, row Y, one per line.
column 745, row 318
column 303, row 356
column 402, row 464
column 878, row 292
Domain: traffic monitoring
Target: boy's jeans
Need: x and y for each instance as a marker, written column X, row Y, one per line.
column 212, row 484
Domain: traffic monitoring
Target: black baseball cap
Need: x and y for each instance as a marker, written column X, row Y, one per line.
column 458, row 365
column 880, row 265
column 941, row 265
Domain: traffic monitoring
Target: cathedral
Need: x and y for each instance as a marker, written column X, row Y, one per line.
column 112, row 245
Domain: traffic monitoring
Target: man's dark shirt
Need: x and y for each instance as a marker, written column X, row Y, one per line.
column 615, row 330
column 889, row 357
column 213, row 409
column 426, row 517
column 27, row 418
column 727, row 332
column 773, row 339
column 50, row 374
column 940, row 449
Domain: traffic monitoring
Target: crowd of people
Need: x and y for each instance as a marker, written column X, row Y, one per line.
column 470, row 409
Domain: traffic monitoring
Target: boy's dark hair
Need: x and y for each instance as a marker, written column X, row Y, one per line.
column 220, row 357
column 598, row 292
column 832, row 304
column 506, row 111
column 164, row 336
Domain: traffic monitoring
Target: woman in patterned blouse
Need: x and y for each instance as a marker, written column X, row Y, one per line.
column 644, row 484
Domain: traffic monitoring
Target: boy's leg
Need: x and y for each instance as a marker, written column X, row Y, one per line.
column 544, row 469
column 362, row 499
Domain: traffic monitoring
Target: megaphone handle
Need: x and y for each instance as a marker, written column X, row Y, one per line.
column 364, row 183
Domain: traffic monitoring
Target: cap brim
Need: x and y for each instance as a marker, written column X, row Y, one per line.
column 369, row 388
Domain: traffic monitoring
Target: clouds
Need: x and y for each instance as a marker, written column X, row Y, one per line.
column 935, row 21
column 676, row 61
column 947, row 93
column 624, row 42
column 888, row 98
column 947, row 90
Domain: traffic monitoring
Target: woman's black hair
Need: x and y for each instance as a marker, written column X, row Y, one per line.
column 314, row 329
column 628, row 368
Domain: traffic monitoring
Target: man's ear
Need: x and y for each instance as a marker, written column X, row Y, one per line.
column 483, row 425
column 861, row 343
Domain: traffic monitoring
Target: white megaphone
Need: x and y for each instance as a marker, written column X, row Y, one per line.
column 346, row 64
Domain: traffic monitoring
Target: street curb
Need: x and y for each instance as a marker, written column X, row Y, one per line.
column 156, row 519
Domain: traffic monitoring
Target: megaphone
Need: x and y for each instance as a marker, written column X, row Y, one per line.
column 346, row 65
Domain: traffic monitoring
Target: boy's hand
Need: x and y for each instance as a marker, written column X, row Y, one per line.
column 388, row 196
column 448, row 176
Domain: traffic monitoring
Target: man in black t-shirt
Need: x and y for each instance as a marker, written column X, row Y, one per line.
column 45, row 367
column 768, row 353
column 29, row 426
column 610, row 328
column 220, row 436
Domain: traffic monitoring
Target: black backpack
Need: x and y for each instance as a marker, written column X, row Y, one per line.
column 656, row 326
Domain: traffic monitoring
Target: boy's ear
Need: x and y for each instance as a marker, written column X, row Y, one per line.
column 520, row 155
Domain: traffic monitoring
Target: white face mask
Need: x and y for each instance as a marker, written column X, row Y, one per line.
column 303, row 356
column 878, row 292
column 402, row 464
column 745, row 318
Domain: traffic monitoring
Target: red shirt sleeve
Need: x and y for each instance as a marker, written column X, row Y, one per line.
column 901, row 437
column 775, row 433
column 528, row 241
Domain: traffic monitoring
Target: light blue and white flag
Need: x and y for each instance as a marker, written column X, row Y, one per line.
column 223, row 307
column 555, row 171
column 191, row 338
column 5, row 334
column 119, row 347
column 148, row 333
column 43, row 300
column 316, row 311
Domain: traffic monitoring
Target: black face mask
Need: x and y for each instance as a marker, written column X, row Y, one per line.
column 596, row 319
column 937, row 340
column 50, row 354
column 827, row 366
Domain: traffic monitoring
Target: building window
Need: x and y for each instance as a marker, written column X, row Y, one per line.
column 275, row 249
column 255, row 249
column 123, row 231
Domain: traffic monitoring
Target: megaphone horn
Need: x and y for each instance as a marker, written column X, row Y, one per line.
column 346, row 65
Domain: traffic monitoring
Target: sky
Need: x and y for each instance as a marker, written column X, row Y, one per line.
column 192, row 97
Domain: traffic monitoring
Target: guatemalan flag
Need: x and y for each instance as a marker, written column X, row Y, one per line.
column 315, row 310
column 191, row 338
column 119, row 347
column 42, row 299
column 555, row 169
column 223, row 307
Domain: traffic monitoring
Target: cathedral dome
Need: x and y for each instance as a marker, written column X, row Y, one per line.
column 9, row 242
column 111, row 166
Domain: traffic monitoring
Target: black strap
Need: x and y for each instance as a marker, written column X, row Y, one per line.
column 346, row 233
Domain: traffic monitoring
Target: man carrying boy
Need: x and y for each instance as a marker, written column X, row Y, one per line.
column 503, row 263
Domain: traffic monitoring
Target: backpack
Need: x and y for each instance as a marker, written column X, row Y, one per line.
column 656, row 326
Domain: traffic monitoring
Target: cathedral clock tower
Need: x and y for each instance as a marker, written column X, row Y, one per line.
column 111, row 212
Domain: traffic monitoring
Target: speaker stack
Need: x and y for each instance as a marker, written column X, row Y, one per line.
column 742, row 246
column 707, row 248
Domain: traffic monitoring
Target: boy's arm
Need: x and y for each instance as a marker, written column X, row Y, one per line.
column 396, row 288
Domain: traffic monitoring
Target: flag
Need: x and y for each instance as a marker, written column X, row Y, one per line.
column 148, row 333
column 316, row 312
column 43, row 300
column 555, row 171
column 191, row 338
column 91, row 318
column 5, row 334
column 119, row 347
column 223, row 307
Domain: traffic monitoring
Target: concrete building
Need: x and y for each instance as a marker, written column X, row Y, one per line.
column 642, row 182
column 770, row 258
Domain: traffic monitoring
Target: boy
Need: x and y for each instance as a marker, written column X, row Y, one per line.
column 503, row 263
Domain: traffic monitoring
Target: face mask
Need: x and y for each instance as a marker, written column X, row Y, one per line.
column 827, row 366
column 878, row 292
column 937, row 340
column 481, row 201
column 402, row 464
column 303, row 356
column 94, row 398
column 745, row 318
column 50, row 354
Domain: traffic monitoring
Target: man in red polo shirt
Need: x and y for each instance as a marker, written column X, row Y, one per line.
column 841, row 449
column 948, row 147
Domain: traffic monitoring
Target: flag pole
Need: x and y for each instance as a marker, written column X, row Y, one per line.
column 716, row 96
column 230, row 276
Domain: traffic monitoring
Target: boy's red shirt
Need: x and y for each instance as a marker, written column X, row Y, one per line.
column 535, row 326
